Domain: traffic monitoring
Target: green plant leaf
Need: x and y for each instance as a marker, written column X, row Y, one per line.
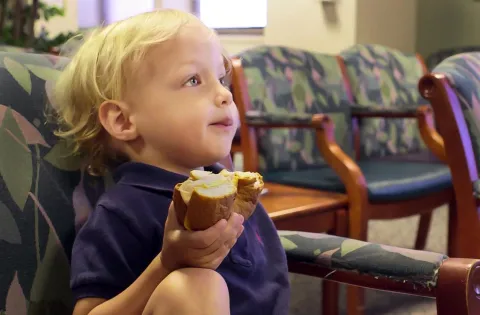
column 19, row 73
column 15, row 160
column 45, row 73
column 9, row 231
column 287, row 244
column 51, row 281
column 62, row 158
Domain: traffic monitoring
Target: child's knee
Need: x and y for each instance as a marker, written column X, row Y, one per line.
column 190, row 291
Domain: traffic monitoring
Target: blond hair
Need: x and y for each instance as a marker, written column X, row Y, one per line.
column 99, row 71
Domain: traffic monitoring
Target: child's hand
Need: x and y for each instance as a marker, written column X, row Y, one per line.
column 201, row 249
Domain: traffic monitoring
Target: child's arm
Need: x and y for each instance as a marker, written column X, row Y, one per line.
column 132, row 300
column 99, row 260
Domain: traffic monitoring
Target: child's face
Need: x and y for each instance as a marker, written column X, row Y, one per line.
column 184, row 112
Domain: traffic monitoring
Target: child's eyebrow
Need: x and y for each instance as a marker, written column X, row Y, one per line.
column 201, row 64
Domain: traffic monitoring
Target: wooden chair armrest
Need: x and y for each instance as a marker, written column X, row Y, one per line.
column 424, row 115
column 429, row 134
column 454, row 282
column 349, row 172
column 375, row 111
column 457, row 290
column 278, row 120
column 345, row 167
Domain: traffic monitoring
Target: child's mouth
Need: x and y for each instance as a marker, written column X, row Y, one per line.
column 225, row 124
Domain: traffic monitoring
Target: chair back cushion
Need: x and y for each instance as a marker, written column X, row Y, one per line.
column 43, row 193
column 380, row 76
column 287, row 80
column 463, row 73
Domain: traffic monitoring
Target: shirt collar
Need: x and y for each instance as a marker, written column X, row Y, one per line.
column 151, row 177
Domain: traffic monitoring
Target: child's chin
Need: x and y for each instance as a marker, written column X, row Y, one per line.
column 221, row 156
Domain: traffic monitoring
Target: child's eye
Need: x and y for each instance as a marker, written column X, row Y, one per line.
column 224, row 81
column 193, row 81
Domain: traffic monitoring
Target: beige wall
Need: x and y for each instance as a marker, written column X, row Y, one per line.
column 309, row 24
column 391, row 23
column 447, row 24
column 409, row 25
column 174, row 4
column 305, row 24
column 234, row 44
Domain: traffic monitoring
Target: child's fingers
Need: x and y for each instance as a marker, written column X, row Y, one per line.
column 235, row 223
column 240, row 232
column 172, row 219
column 206, row 238
column 215, row 258
column 232, row 241
column 232, row 230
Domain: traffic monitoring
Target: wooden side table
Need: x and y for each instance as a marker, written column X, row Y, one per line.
column 307, row 210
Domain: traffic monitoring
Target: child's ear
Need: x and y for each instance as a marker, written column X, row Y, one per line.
column 115, row 118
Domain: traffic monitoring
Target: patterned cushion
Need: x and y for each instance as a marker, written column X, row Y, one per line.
column 386, row 180
column 43, row 193
column 15, row 49
column 435, row 58
column 417, row 267
column 387, row 77
column 463, row 72
column 285, row 80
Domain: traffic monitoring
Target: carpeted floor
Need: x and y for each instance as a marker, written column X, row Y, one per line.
column 306, row 291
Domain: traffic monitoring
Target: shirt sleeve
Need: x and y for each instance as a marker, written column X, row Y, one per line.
column 108, row 254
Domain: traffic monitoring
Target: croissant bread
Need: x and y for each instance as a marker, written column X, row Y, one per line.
column 205, row 198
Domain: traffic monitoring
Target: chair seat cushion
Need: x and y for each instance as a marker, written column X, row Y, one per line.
column 386, row 180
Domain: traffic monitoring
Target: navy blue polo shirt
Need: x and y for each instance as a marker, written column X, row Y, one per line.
column 125, row 231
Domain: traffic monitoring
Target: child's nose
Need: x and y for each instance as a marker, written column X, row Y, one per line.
column 224, row 97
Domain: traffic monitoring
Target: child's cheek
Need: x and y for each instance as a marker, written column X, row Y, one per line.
column 236, row 117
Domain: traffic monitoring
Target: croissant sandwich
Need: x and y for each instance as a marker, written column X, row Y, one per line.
column 205, row 198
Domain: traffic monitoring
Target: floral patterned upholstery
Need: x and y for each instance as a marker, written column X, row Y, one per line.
column 288, row 85
column 15, row 49
column 43, row 194
column 281, row 81
column 380, row 76
column 463, row 73
column 44, row 198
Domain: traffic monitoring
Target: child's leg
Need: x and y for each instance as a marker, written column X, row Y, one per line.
column 190, row 291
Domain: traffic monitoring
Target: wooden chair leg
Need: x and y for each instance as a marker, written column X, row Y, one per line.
column 423, row 229
column 331, row 289
column 330, row 297
column 358, row 229
column 355, row 300
column 453, row 240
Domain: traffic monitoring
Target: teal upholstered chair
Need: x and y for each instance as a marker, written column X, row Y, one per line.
column 286, row 86
column 380, row 77
column 44, row 197
column 278, row 89
column 453, row 90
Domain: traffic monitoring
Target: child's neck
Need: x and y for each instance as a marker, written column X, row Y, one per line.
column 174, row 168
